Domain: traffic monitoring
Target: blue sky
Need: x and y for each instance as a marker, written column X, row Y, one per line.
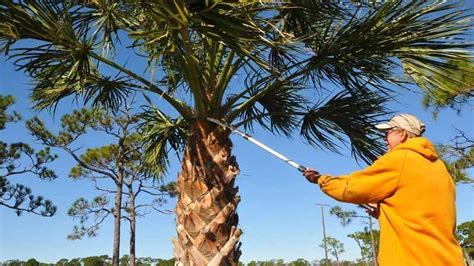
column 277, row 213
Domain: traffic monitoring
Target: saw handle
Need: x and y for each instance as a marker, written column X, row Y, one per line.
column 302, row 168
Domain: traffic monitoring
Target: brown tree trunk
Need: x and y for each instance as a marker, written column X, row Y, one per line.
column 207, row 205
column 132, row 225
column 117, row 220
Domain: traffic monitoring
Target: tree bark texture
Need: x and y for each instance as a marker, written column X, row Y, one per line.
column 132, row 225
column 206, row 211
column 117, row 221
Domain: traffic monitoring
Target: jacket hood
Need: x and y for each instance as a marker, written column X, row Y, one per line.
column 421, row 146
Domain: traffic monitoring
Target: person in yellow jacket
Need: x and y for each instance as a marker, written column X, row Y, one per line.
column 414, row 195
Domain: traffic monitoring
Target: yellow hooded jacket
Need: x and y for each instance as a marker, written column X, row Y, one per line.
column 416, row 196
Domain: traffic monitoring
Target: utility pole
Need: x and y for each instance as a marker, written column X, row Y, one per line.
column 324, row 231
column 374, row 254
column 344, row 215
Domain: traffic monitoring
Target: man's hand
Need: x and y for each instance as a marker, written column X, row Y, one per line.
column 372, row 209
column 311, row 175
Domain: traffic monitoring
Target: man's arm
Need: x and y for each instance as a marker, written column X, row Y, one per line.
column 369, row 185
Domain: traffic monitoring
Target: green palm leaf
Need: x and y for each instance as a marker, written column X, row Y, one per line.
column 359, row 53
column 201, row 45
column 36, row 20
column 160, row 135
column 102, row 20
column 355, row 118
column 276, row 110
column 106, row 92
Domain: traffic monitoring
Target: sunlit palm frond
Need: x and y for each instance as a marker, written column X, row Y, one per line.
column 100, row 91
column 276, row 110
column 452, row 94
column 155, row 30
column 55, row 62
column 8, row 36
column 48, row 94
column 238, row 26
column 161, row 27
column 343, row 117
column 360, row 53
column 59, row 54
column 133, row 144
column 173, row 79
column 345, row 53
column 161, row 134
column 430, row 48
column 439, row 80
column 303, row 17
column 60, row 62
column 36, row 20
column 47, row 23
column 105, row 18
column 106, row 92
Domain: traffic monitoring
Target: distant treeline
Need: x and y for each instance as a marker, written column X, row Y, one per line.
column 105, row 260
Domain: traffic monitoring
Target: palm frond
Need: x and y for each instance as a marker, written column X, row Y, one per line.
column 155, row 29
column 105, row 18
column 37, row 20
column 345, row 56
column 160, row 135
column 303, row 17
column 346, row 118
column 275, row 110
column 107, row 92
column 60, row 64
column 8, row 36
column 433, row 47
column 452, row 95
column 173, row 79
column 60, row 54
column 359, row 53
column 54, row 62
column 238, row 27
column 102, row 91
column 160, row 26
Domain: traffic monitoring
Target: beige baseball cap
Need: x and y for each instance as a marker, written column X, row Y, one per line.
column 404, row 121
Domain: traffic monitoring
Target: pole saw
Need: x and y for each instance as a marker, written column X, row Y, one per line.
column 248, row 137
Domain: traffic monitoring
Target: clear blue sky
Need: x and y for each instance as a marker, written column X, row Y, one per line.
column 277, row 212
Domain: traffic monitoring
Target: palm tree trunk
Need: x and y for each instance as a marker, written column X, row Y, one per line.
column 469, row 261
column 132, row 225
column 117, row 220
column 206, row 209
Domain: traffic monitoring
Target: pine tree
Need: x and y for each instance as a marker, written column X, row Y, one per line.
column 459, row 157
column 20, row 158
column 336, row 248
column 117, row 170
column 465, row 236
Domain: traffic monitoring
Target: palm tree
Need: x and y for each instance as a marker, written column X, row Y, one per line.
column 319, row 69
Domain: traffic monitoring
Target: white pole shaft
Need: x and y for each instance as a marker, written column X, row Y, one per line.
column 277, row 154
column 268, row 149
column 246, row 136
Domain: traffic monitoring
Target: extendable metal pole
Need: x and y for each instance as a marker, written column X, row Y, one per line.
column 246, row 136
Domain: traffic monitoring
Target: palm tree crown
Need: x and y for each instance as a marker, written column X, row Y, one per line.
column 316, row 68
